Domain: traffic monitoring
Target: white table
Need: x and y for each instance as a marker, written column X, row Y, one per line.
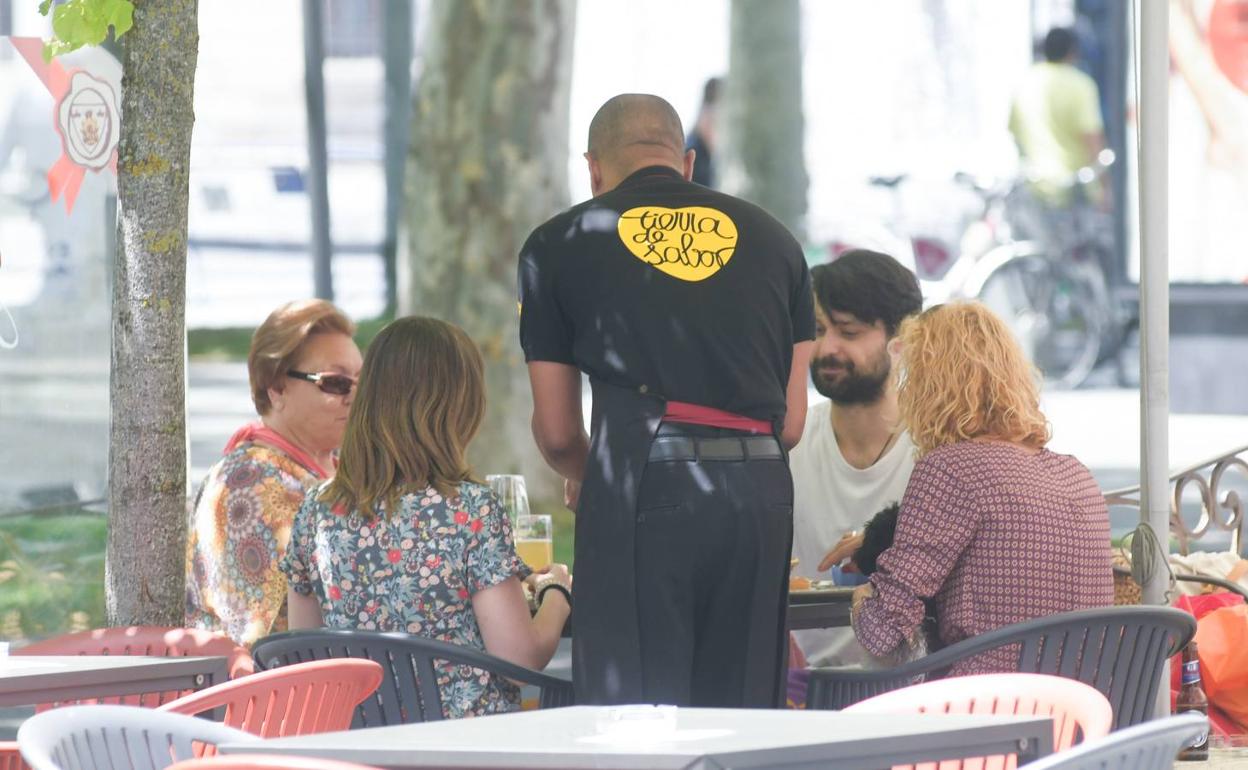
column 31, row 679
column 704, row 738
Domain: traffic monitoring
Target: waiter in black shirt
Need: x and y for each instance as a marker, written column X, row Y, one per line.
column 692, row 313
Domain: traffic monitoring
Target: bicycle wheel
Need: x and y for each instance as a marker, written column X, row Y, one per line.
column 1056, row 312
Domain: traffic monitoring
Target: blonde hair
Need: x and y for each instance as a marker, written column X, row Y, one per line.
column 278, row 342
column 419, row 402
column 965, row 377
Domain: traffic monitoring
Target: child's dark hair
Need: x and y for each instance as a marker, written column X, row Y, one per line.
column 877, row 537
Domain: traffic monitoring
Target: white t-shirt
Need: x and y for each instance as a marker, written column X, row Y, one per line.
column 832, row 497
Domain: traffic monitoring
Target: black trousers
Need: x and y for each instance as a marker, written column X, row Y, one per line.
column 713, row 539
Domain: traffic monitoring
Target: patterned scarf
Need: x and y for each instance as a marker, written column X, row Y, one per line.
column 258, row 431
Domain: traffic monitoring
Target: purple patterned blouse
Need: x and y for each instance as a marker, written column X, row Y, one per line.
column 997, row 535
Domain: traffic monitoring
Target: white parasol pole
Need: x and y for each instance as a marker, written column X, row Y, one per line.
column 1154, row 57
column 1154, row 83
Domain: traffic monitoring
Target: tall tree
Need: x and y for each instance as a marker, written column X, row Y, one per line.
column 761, row 124
column 146, row 561
column 146, row 554
column 488, row 162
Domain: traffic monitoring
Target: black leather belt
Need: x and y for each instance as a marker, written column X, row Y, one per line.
column 722, row 449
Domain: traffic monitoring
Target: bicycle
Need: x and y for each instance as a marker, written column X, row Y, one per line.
column 1039, row 268
column 1047, row 278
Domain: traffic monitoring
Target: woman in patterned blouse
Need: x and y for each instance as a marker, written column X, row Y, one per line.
column 302, row 367
column 994, row 527
column 405, row 539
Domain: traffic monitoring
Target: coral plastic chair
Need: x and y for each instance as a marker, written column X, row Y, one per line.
column 10, row 757
column 1079, row 711
column 119, row 738
column 314, row 697
column 158, row 641
column 267, row 762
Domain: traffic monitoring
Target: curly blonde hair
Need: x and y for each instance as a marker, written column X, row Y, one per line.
column 965, row 377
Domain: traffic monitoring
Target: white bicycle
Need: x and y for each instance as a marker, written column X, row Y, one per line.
column 1040, row 271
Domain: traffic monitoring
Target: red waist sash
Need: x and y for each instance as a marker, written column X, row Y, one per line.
column 695, row 414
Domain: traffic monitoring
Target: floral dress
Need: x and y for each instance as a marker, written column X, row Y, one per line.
column 236, row 536
column 414, row 570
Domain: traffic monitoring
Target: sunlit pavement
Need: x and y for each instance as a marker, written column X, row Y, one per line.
column 1099, row 426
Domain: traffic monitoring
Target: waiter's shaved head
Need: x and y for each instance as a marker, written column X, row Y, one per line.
column 636, row 126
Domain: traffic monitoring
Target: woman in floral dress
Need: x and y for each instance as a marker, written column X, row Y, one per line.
column 405, row 539
column 302, row 367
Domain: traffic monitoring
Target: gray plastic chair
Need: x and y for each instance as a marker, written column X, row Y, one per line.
column 1147, row 746
column 409, row 690
column 1224, row 584
column 117, row 738
column 1117, row 650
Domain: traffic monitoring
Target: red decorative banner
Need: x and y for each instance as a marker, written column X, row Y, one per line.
column 86, row 118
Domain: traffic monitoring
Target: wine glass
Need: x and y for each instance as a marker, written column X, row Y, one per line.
column 509, row 488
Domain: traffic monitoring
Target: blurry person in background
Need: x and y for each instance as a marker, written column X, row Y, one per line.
column 1055, row 118
column 302, row 366
column 702, row 138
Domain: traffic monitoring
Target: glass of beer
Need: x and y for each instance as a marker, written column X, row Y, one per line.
column 509, row 488
column 534, row 545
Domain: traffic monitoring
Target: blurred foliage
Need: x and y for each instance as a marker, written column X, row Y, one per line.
column 77, row 23
column 52, row 569
column 563, row 522
column 232, row 344
column 51, row 573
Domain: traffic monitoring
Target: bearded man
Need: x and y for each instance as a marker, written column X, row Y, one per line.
column 853, row 459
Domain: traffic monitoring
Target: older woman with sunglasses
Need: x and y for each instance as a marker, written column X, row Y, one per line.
column 302, row 366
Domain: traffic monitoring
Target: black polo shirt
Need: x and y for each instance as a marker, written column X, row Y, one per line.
column 672, row 289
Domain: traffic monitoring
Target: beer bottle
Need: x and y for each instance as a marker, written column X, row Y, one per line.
column 1192, row 698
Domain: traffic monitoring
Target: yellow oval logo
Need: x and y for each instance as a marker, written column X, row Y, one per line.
column 690, row 243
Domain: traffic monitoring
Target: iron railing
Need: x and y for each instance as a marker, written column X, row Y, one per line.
column 1220, row 508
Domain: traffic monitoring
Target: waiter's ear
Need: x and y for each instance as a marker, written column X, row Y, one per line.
column 595, row 174
column 690, row 156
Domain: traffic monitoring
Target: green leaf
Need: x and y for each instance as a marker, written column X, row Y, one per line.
column 71, row 24
column 44, row 7
column 76, row 23
column 119, row 14
column 53, row 48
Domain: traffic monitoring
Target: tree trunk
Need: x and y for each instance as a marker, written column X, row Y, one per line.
column 761, row 123
column 144, row 572
column 488, row 162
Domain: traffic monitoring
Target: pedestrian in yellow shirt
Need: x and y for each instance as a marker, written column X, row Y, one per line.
column 1056, row 118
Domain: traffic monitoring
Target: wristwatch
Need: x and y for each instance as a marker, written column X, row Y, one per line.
column 549, row 582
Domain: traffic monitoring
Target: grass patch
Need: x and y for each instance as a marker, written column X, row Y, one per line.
column 51, row 574
column 232, row 344
column 564, row 524
column 52, row 570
